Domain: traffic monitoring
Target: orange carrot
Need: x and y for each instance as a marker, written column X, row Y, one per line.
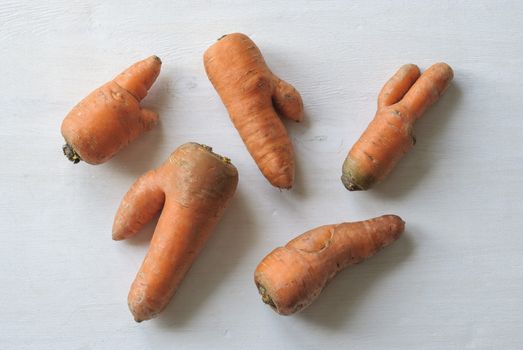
column 110, row 117
column 254, row 97
column 290, row 278
column 389, row 136
column 194, row 186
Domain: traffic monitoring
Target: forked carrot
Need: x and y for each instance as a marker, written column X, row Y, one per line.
column 194, row 186
column 110, row 117
column 389, row 136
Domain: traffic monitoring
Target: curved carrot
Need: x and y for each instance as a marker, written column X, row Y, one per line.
column 254, row 97
column 110, row 117
column 194, row 186
column 290, row 278
column 388, row 137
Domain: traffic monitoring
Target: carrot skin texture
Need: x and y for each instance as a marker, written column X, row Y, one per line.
column 290, row 278
column 397, row 86
column 194, row 186
column 139, row 206
column 389, row 136
column 254, row 97
column 428, row 88
column 110, row 117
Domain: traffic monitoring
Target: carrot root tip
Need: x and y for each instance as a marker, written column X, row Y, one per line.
column 71, row 154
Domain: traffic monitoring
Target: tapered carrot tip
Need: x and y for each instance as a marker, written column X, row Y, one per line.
column 139, row 78
column 290, row 278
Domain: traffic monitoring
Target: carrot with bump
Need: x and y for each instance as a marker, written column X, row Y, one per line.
column 290, row 278
column 255, row 98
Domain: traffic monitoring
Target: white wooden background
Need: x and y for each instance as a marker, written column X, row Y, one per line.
column 454, row 281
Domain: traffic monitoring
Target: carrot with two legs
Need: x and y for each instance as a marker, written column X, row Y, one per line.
column 389, row 136
column 192, row 189
column 110, row 117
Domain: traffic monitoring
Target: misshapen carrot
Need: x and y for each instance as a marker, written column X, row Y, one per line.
column 110, row 117
column 254, row 97
column 290, row 278
column 194, row 186
column 389, row 136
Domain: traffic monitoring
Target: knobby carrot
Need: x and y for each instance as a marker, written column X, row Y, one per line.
column 389, row 136
column 110, row 117
column 194, row 186
column 290, row 278
column 254, row 97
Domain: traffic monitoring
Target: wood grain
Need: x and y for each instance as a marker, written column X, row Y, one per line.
column 452, row 282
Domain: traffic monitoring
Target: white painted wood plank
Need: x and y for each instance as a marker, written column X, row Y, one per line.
column 452, row 282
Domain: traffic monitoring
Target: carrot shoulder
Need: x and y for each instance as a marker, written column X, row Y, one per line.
column 110, row 117
column 389, row 136
column 290, row 278
column 254, row 97
column 192, row 189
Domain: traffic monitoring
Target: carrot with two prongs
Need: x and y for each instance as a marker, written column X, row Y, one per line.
column 194, row 186
column 254, row 97
column 290, row 278
column 389, row 136
column 110, row 117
